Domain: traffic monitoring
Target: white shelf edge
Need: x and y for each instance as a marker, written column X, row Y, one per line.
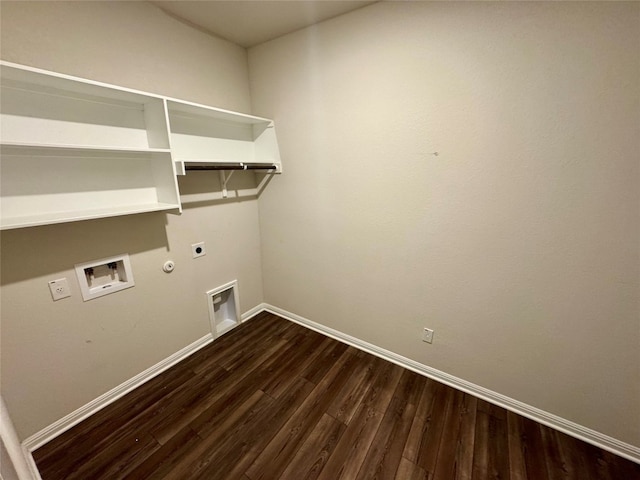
column 191, row 108
column 79, row 148
column 7, row 223
column 71, row 78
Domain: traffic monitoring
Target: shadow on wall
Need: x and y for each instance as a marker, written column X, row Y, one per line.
column 204, row 188
column 41, row 251
column 33, row 252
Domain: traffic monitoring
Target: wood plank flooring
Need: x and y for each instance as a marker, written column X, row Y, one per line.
column 273, row 400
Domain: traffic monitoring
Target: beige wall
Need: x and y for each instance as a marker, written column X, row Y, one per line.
column 58, row 356
column 518, row 243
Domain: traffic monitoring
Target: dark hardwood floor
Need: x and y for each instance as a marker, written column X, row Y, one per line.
column 273, row 400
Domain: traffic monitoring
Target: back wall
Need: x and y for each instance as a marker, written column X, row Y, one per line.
column 517, row 242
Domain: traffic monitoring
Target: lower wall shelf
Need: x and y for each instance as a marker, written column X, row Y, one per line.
column 45, row 185
column 9, row 222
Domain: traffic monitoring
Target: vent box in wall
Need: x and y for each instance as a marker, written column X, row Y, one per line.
column 102, row 277
column 224, row 308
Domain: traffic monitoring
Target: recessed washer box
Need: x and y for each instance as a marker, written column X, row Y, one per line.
column 224, row 308
column 105, row 276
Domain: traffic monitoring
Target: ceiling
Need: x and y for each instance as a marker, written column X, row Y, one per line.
column 251, row 22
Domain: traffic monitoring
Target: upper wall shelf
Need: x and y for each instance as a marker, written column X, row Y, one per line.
column 75, row 149
column 206, row 135
column 42, row 108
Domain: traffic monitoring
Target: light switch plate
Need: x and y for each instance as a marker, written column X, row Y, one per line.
column 427, row 335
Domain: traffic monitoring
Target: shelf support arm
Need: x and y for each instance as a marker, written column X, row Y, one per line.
column 223, row 182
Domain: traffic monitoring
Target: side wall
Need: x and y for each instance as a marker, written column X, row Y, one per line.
column 517, row 243
column 58, row 356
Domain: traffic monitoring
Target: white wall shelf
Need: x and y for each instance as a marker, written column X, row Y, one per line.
column 206, row 135
column 74, row 149
column 42, row 185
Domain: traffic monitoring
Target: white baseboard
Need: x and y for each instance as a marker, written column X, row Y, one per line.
column 593, row 437
column 605, row 442
column 52, row 431
column 65, row 423
column 253, row 312
column 47, row 434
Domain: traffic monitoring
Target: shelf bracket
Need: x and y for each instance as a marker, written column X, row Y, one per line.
column 223, row 182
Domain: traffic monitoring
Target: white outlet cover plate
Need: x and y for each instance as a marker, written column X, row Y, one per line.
column 427, row 335
column 59, row 289
column 198, row 250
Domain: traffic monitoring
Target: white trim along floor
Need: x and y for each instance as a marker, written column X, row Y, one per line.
column 593, row 437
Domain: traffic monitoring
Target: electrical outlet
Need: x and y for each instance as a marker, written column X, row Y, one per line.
column 427, row 335
column 59, row 289
column 197, row 250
